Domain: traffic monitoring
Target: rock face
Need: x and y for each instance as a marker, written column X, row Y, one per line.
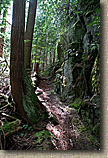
column 68, row 77
column 82, row 39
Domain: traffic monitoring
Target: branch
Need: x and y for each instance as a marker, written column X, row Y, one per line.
column 8, row 22
column 93, row 97
column 6, row 115
column 5, row 66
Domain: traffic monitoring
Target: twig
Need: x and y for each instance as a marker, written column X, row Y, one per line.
column 5, row 106
column 13, row 131
column 8, row 22
column 10, row 116
column 90, row 104
column 5, row 66
column 93, row 97
column 77, row 65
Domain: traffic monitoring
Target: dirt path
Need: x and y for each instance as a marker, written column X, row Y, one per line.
column 64, row 123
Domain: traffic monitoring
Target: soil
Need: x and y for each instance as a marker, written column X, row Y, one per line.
column 62, row 130
column 65, row 123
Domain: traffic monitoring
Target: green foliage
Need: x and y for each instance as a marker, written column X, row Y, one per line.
column 83, row 128
column 25, row 126
column 26, row 129
column 48, row 27
column 53, row 92
column 95, row 76
column 96, row 22
column 5, row 36
column 40, row 136
column 75, row 24
column 76, row 104
column 63, row 25
column 4, row 5
column 21, row 134
column 8, row 127
column 26, row 41
column 43, row 136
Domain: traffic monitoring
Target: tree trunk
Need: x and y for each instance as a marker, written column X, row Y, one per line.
column 17, row 55
column 60, row 52
column 29, row 32
column 46, row 58
column 22, row 90
column 54, row 57
column 50, row 57
column 43, row 65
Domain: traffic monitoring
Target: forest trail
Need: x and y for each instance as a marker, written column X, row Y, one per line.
column 61, row 39
column 62, row 129
column 68, row 131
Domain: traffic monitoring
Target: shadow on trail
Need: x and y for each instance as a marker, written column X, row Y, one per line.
column 68, row 131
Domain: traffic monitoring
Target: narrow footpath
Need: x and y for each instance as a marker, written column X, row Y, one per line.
column 65, row 123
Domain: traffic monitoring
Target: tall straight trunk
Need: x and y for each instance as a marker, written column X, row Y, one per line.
column 29, row 31
column 40, row 59
column 54, row 57
column 17, row 55
column 43, row 65
column 50, row 57
column 46, row 58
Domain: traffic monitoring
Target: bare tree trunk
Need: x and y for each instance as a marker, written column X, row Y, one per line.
column 43, row 65
column 50, row 57
column 46, row 57
column 27, row 102
column 17, row 55
column 29, row 32
column 54, row 57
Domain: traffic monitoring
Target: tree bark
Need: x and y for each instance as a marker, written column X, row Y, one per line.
column 29, row 32
column 54, row 57
column 43, row 65
column 46, row 58
column 50, row 57
column 17, row 55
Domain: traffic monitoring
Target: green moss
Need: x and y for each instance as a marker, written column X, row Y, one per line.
column 95, row 76
column 75, row 121
column 9, row 126
column 40, row 136
column 30, row 100
column 76, row 103
column 83, row 128
column 53, row 92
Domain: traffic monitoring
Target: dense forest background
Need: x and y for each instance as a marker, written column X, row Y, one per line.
column 49, row 51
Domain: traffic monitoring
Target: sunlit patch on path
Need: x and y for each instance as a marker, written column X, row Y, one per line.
column 64, row 124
